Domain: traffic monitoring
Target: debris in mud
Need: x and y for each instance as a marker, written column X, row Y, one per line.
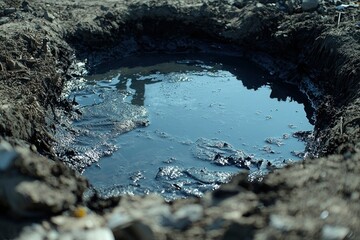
column 211, row 150
column 277, row 141
column 169, row 173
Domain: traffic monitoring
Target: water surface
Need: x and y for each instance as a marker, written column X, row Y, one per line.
column 181, row 125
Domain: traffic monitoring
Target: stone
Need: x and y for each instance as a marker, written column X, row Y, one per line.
column 48, row 16
column 334, row 232
column 91, row 234
column 26, row 6
column 283, row 223
column 25, row 195
column 187, row 215
column 309, row 5
column 10, row 64
column 104, row 8
column 4, row 20
column 118, row 221
column 238, row 231
column 19, row 66
column 67, row 223
column 34, row 232
column 13, row 65
column 33, row 186
column 110, row 15
column 8, row 11
column 136, row 230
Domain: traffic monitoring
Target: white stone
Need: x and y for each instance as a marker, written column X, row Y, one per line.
column 334, row 232
column 91, row 234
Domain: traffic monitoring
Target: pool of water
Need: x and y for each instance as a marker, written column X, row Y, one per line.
column 181, row 125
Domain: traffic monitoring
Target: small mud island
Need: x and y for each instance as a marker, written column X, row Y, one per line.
column 47, row 45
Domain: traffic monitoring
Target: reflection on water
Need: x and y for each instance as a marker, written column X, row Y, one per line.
column 148, row 64
column 210, row 117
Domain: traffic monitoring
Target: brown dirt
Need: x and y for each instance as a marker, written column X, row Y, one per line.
column 41, row 39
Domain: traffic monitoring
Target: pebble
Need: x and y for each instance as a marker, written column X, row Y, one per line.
column 334, row 232
column 48, row 16
column 282, row 223
column 104, row 8
column 118, row 220
column 4, row 20
column 26, row 6
column 136, row 230
column 65, row 223
column 14, row 65
column 92, row 234
column 8, row 11
column 324, row 214
column 5, row 146
column 186, row 215
column 238, row 231
column 34, row 232
column 11, row 64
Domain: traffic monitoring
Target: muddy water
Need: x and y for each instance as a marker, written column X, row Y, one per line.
column 181, row 125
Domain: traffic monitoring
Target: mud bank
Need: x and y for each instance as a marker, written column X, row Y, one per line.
column 306, row 44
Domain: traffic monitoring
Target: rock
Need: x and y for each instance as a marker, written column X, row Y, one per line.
column 48, row 16
column 67, row 223
column 8, row 11
column 104, row 8
column 238, row 231
column 282, row 223
column 34, row 232
column 4, row 20
column 91, row 234
column 31, row 185
column 119, row 221
column 98, row 204
column 13, row 65
column 187, row 215
column 334, row 232
column 110, row 15
column 309, row 5
column 26, row 6
column 10, row 64
column 136, row 230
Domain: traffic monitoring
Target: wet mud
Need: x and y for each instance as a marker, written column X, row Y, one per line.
column 312, row 45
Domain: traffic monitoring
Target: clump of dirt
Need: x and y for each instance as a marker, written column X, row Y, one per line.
column 316, row 45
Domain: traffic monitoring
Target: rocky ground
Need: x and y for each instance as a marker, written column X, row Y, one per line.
column 300, row 42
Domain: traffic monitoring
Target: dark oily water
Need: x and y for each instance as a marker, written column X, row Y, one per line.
column 180, row 125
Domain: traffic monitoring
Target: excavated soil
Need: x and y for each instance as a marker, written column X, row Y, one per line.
column 43, row 42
